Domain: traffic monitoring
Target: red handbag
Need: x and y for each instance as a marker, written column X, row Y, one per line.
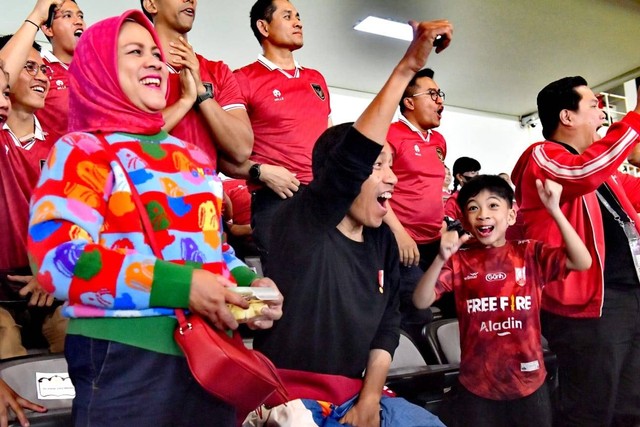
column 227, row 369
column 221, row 363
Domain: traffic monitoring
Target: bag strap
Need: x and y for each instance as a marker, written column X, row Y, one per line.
column 142, row 210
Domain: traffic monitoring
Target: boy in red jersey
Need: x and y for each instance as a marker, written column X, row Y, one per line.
column 498, row 287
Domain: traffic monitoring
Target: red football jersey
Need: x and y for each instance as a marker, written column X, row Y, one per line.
column 497, row 293
column 240, row 197
column 54, row 117
column 193, row 127
column 418, row 162
column 20, row 172
column 289, row 110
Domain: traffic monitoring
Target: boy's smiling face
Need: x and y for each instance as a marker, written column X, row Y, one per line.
column 488, row 216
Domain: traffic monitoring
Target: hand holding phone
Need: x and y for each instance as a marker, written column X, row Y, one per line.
column 51, row 15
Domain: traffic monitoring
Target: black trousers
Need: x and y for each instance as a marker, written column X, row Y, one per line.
column 598, row 363
column 264, row 205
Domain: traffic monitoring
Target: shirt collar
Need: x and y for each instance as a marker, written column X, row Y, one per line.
column 272, row 67
column 51, row 58
column 411, row 126
column 39, row 134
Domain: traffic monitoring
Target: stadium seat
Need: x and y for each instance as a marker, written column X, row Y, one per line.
column 412, row 378
column 443, row 337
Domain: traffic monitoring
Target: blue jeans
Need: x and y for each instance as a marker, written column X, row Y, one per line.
column 118, row 385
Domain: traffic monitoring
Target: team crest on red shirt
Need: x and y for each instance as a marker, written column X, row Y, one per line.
column 318, row 90
column 521, row 275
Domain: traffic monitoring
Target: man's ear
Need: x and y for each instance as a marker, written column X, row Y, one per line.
column 408, row 103
column 565, row 117
column 150, row 6
column 263, row 27
column 46, row 31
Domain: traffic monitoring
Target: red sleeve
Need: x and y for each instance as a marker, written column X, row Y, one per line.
column 226, row 88
column 445, row 279
column 584, row 173
column 550, row 263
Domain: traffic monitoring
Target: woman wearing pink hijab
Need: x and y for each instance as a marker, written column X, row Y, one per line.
column 89, row 247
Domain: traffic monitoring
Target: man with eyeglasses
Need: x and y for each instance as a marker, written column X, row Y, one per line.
column 416, row 214
column 24, row 145
column 65, row 31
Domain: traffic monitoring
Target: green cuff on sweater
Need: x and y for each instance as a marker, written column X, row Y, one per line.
column 244, row 275
column 171, row 285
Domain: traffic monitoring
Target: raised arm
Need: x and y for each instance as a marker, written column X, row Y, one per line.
column 424, row 295
column 578, row 257
column 15, row 52
column 374, row 121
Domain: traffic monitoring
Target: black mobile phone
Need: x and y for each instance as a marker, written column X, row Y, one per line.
column 438, row 40
column 52, row 14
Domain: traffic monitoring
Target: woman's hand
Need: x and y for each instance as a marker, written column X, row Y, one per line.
column 273, row 310
column 209, row 297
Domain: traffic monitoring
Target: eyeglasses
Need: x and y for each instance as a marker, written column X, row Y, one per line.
column 433, row 93
column 32, row 68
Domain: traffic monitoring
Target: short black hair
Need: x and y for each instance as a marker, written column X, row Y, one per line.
column 555, row 97
column 262, row 9
column 147, row 14
column 411, row 87
column 462, row 165
column 325, row 145
column 491, row 183
column 5, row 39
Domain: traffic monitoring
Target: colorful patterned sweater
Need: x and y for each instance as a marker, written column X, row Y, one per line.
column 88, row 245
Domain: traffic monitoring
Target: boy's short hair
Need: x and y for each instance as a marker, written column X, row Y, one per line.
column 492, row 183
column 325, row 145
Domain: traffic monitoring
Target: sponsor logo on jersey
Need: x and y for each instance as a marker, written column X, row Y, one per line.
column 277, row 95
column 502, row 303
column 502, row 328
column 318, row 90
column 471, row 276
column 495, row 277
column 416, row 149
column 60, row 85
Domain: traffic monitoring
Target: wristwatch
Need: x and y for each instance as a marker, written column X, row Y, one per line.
column 254, row 172
column 207, row 95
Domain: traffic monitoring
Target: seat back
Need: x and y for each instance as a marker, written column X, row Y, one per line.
column 443, row 337
column 407, row 354
column 42, row 379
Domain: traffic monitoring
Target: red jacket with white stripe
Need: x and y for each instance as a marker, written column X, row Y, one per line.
column 581, row 293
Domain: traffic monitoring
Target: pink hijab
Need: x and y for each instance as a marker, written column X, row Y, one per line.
column 96, row 101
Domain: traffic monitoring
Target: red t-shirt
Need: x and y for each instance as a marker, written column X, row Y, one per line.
column 289, row 110
column 497, row 293
column 418, row 163
column 451, row 208
column 193, row 127
column 240, row 197
column 54, row 117
column 20, row 172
